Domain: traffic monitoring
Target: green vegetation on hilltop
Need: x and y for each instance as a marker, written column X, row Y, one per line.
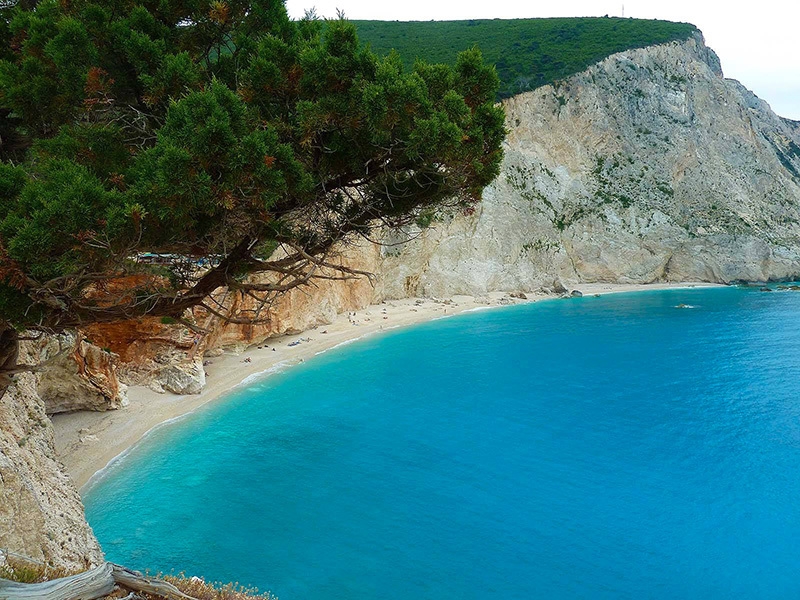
column 528, row 53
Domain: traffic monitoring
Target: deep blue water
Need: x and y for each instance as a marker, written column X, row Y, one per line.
column 612, row 447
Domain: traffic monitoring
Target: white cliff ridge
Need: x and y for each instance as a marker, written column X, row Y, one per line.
column 649, row 166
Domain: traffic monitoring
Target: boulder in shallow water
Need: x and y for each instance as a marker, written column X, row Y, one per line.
column 576, row 294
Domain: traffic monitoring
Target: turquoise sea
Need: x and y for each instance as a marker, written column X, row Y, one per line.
column 612, row 447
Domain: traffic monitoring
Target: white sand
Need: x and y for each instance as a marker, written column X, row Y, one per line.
column 86, row 442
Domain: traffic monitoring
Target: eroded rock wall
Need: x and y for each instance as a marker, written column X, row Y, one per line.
column 77, row 375
column 41, row 514
column 168, row 356
column 154, row 352
column 303, row 308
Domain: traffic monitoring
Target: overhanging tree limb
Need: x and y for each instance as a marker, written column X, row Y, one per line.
column 212, row 144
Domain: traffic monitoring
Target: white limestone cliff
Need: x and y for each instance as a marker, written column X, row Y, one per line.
column 648, row 166
column 41, row 513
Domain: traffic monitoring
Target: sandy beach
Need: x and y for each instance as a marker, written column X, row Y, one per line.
column 86, row 442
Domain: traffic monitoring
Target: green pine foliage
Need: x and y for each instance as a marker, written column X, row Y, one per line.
column 527, row 53
column 212, row 128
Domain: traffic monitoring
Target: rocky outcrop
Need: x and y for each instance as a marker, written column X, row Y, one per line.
column 159, row 353
column 77, row 375
column 167, row 356
column 649, row 166
column 183, row 377
column 302, row 308
column 41, row 514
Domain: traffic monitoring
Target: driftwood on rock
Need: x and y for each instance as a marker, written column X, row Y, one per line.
column 136, row 582
column 89, row 585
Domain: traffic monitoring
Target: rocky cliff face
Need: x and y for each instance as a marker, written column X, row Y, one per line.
column 649, row 166
column 168, row 357
column 302, row 308
column 78, row 375
column 41, row 514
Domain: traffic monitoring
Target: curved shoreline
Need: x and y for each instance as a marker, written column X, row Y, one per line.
column 90, row 442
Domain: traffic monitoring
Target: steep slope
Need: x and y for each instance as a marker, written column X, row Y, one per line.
column 649, row 166
column 41, row 514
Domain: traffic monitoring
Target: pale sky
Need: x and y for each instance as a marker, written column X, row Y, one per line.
column 757, row 41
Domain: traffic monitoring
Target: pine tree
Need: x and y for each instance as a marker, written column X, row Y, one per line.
column 215, row 132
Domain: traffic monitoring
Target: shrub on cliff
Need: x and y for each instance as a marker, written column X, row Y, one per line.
column 207, row 133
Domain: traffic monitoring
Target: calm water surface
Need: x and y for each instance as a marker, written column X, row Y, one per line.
column 612, row 447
